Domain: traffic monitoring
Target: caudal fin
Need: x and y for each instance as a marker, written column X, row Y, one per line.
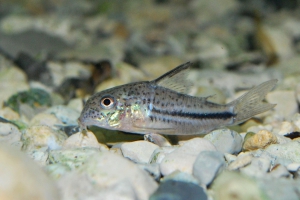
column 251, row 104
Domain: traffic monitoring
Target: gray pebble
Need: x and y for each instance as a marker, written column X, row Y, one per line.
column 179, row 190
column 106, row 169
column 67, row 115
column 280, row 171
column 288, row 151
column 208, row 165
column 258, row 167
column 273, row 188
column 226, row 140
column 138, row 151
column 152, row 169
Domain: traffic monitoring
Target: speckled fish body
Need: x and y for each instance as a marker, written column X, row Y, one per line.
column 160, row 106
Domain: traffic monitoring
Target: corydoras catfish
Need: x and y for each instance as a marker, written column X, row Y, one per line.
column 162, row 106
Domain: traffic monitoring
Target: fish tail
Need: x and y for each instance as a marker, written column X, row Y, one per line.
column 251, row 103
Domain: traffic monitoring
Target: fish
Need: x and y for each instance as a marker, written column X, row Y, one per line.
column 162, row 106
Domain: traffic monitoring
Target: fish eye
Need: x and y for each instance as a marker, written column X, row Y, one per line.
column 107, row 102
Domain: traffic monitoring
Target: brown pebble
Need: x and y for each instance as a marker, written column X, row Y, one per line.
column 261, row 139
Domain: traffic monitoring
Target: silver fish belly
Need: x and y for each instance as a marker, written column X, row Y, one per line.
column 160, row 106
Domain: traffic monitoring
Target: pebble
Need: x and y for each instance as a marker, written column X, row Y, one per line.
column 184, row 157
column 44, row 119
column 181, row 176
column 241, row 161
column 257, row 168
column 65, row 114
column 152, row 169
column 138, row 151
column 208, row 165
column 279, row 171
column 106, row 169
column 179, row 190
column 229, row 157
column 262, row 139
column 280, row 188
column 37, row 137
column 287, row 151
column 226, row 140
column 232, row 185
column 79, row 140
column 286, row 110
column 293, row 167
column 22, row 178
column 73, row 158
column 9, row 134
column 86, row 189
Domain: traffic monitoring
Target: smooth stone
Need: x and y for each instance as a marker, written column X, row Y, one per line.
column 45, row 119
column 280, row 98
column 262, row 139
column 279, row 171
column 22, row 178
column 287, row 151
column 37, row 137
column 106, row 169
column 138, row 151
column 152, row 169
column 232, row 185
column 257, row 168
column 119, row 191
column 280, row 188
column 208, row 165
column 73, row 158
column 159, row 154
column 79, row 140
column 226, row 140
column 71, row 188
column 287, row 127
column 9, row 134
column 293, row 167
column 179, row 190
column 183, row 158
column 65, row 114
column 241, row 161
column 181, row 176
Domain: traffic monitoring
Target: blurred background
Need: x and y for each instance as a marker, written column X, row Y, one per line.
column 76, row 48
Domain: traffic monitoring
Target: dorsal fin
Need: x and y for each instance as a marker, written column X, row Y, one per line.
column 176, row 79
